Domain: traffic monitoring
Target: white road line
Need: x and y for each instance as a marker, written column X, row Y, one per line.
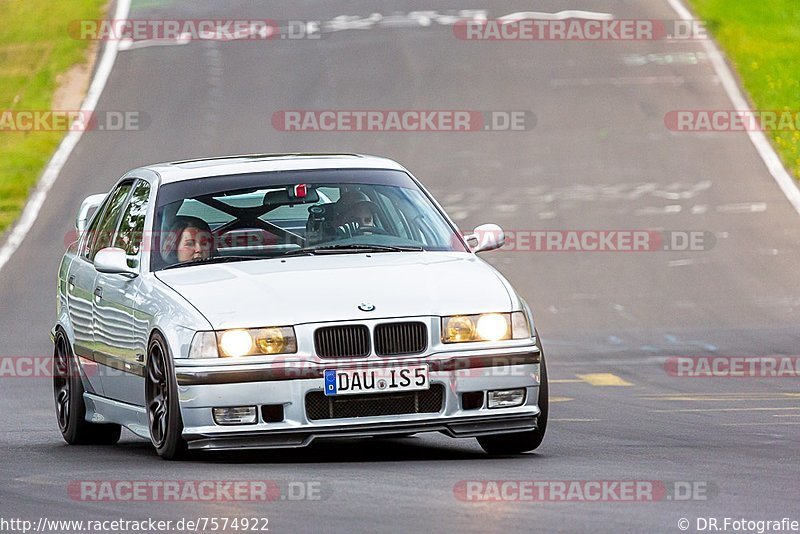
column 68, row 144
column 759, row 140
column 561, row 15
column 743, row 207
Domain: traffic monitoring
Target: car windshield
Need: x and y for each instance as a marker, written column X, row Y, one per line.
column 266, row 215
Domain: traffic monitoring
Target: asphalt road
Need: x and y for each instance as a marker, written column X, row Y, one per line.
column 599, row 157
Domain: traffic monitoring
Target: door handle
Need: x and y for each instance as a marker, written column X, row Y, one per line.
column 71, row 282
column 98, row 293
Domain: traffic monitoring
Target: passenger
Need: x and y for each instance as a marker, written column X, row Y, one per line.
column 189, row 239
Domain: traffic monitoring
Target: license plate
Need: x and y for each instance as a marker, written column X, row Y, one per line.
column 384, row 380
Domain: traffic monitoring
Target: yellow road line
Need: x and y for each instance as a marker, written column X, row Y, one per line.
column 787, row 415
column 561, row 399
column 604, row 379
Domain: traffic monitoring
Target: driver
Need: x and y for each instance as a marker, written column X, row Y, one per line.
column 357, row 217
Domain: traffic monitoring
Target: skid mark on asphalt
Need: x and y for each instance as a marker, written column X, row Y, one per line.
column 716, row 397
column 631, row 80
column 760, row 424
column 687, row 410
column 745, row 416
column 542, row 205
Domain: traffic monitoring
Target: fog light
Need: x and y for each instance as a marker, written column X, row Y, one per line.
column 506, row 398
column 239, row 415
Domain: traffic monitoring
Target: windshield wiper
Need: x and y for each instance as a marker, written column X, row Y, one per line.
column 355, row 248
column 212, row 259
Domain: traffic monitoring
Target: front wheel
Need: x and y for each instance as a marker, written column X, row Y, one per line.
column 161, row 395
column 70, row 408
column 519, row 442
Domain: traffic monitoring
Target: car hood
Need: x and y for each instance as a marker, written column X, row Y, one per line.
column 308, row 289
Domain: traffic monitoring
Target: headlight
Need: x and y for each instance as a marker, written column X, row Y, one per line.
column 235, row 343
column 485, row 327
column 257, row 341
column 204, row 345
column 493, row 326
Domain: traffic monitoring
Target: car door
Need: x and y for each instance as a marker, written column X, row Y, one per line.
column 101, row 238
column 81, row 282
column 115, row 308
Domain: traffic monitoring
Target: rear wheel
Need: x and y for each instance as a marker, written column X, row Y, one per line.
column 70, row 408
column 161, row 395
column 518, row 442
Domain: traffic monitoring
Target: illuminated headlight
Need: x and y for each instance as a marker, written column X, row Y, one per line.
column 485, row 327
column 257, row 341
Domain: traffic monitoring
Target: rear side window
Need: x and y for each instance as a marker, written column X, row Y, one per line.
column 104, row 233
column 129, row 235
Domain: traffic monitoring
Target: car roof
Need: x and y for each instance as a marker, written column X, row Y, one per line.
column 177, row 171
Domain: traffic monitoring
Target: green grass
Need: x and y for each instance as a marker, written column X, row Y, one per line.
column 762, row 39
column 34, row 49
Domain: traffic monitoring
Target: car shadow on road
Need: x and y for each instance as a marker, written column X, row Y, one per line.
column 342, row 450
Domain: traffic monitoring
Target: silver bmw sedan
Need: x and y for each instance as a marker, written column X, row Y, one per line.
column 271, row 300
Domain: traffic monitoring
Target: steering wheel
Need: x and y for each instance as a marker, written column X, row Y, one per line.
column 369, row 230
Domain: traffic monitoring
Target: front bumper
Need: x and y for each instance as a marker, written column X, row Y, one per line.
column 287, row 384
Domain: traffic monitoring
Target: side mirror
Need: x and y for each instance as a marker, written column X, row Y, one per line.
column 486, row 237
column 88, row 208
column 113, row 260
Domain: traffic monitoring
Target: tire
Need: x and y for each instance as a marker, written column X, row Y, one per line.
column 70, row 408
column 161, row 395
column 519, row 442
